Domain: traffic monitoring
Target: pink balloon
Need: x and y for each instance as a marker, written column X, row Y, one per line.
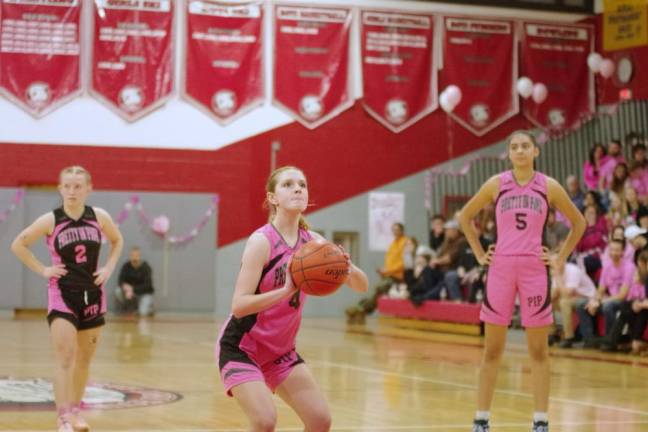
column 607, row 68
column 454, row 95
column 161, row 225
column 540, row 93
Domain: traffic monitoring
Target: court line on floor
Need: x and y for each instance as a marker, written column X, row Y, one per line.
column 473, row 387
column 389, row 428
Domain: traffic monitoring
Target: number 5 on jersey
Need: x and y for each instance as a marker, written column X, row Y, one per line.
column 520, row 221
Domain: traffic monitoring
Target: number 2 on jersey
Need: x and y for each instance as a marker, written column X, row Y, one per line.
column 80, row 251
column 520, row 221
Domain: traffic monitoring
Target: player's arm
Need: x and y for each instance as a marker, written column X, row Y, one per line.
column 41, row 227
column 559, row 199
column 116, row 240
column 357, row 279
column 486, row 194
column 245, row 301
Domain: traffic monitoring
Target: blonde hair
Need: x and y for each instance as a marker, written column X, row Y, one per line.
column 271, row 185
column 76, row 169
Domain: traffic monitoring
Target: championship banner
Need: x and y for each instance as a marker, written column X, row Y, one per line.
column 480, row 57
column 40, row 53
column 625, row 24
column 312, row 73
column 398, row 72
column 223, row 71
column 556, row 56
column 132, row 64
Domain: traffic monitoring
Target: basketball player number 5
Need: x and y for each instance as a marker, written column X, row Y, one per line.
column 80, row 251
column 520, row 222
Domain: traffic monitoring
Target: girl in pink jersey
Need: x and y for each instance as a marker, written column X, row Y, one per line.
column 518, row 267
column 76, row 299
column 256, row 346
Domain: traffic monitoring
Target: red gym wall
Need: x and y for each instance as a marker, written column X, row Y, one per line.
column 346, row 156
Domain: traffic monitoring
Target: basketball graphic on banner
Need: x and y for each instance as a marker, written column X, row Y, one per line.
column 556, row 117
column 131, row 98
column 38, row 94
column 224, row 102
column 311, row 107
column 396, row 111
column 479, row 114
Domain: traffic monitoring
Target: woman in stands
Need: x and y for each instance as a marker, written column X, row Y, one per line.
column 518, row 265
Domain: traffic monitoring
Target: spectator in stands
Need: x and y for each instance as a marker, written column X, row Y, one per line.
column 436, row 232
column 638, row 152
column 638, row 237
column 642, row 218
column 592, row 167
column 555, row 231
column 486, row 223
column 633, row 205
column 639, row 308
column 593, row 242
column 424, row 283
column 614, row 285
column 135, row 290
column 617, row 211
column 593, row 198
column 574, row 191
column 399, row 289
column 391, row 272
column 609, row 162
column 620, row 176
column 448, row 259
column 571, row 289
column 471, row 274
column 618, row 233
column 638, row 180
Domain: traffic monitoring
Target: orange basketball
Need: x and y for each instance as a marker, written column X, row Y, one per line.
column 319, row 267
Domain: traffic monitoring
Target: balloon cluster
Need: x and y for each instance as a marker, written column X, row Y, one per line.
column 450, row 98
column 526, row 88
column 598, row 64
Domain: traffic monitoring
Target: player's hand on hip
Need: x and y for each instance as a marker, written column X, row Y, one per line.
column 545, row 256
column 486, row 258
column 55, row 271
column 102, row 275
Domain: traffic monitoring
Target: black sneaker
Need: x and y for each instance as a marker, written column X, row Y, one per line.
column 480, row 426
column 566, row 343
column 540, row 426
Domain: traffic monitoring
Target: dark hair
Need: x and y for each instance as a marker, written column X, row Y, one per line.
column 526, row 133
column 616, row 227
column 438, row 216
column 597, row 200
column 593, row 150
column 637, row 147
column 622, row 242
column 617, row 184
column 616, row 141
column 400, row 225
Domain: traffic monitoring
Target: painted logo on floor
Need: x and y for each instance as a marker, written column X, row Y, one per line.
column 37, row 394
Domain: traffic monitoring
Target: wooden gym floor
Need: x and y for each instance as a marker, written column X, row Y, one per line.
column 376, row 378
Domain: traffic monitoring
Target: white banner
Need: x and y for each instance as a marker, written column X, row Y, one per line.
column 385, row 209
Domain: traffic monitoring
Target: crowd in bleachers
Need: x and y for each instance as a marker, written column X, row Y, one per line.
column 599, row 296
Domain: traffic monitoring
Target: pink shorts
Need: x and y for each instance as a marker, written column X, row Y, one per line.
column 526, row 276
column 238, row 368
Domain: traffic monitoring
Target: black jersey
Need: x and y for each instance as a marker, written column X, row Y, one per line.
column 76, row 244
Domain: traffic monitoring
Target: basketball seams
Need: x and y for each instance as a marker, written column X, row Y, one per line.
column 313, row 251
column 310, row 269
column 323, row 265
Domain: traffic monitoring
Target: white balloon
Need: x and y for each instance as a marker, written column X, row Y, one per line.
column 524, row 87
column 540, row 93
column 607, row 68
column 594, row 62
column 454, row 95
column 445, row 103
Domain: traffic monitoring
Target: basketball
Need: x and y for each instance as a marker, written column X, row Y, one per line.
column 319, row 267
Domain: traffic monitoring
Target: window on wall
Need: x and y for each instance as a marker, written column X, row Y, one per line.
column 349, row 241
column 453, row 203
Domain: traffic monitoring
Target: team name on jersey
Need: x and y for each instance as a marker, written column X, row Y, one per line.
column 77, row 234
column 516, row 202
column 280, row 276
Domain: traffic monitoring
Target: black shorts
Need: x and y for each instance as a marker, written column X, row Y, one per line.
column 81, row 307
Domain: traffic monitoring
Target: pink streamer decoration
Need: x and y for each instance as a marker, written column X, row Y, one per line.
column 17, row 199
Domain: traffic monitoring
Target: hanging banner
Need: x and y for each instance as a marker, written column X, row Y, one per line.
column 556, row 56
column 480, row 57
column 223, row 70
column 625, row 24
column 40, row 53
column 132, row 63
column 398, row 72
column 312, row 73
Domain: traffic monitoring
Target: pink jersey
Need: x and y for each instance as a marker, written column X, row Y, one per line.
column 521, row 214
column 266, row 335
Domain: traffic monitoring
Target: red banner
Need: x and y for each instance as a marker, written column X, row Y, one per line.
column 223, row 71
column 556, row 55
column 39, row 54
column 132, row 64
column 311, row 65
column 398, row 74
column 480, row 57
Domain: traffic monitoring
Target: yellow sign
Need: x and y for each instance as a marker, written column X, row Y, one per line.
column 625, row 24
